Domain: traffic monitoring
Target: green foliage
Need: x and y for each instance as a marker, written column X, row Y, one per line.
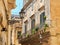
column 20, row 35
column 44, row 29
column 45, row 17
column 45, row 26
column 27, row 35
column 33, row 30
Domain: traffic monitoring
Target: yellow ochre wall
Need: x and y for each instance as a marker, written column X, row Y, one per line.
column 55, row 22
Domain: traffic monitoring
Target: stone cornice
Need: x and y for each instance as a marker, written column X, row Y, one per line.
column 27, row 4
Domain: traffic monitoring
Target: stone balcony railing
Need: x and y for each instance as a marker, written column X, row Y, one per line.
column 35, row 35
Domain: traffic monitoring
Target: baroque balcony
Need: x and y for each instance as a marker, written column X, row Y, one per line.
column 37, row 37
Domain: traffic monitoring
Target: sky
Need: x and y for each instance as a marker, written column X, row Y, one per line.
column 19, row 5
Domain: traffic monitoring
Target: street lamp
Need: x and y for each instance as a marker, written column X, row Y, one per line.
column 22, row 14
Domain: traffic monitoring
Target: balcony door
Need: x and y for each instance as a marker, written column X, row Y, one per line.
column 26, row 23
column 42, row 20
column 32, row 23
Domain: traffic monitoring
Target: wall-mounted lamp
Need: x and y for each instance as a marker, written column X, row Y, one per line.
column 22, row 14
column 3, row 29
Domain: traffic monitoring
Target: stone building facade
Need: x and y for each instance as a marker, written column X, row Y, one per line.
column 34, row 12
column 25, row 1
column 5, row 13
column 15, row 27
column 55, row 17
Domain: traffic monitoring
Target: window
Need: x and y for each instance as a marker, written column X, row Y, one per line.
column 32, row 23
column 26, row 27
column 42, row 20
column 18, row 34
